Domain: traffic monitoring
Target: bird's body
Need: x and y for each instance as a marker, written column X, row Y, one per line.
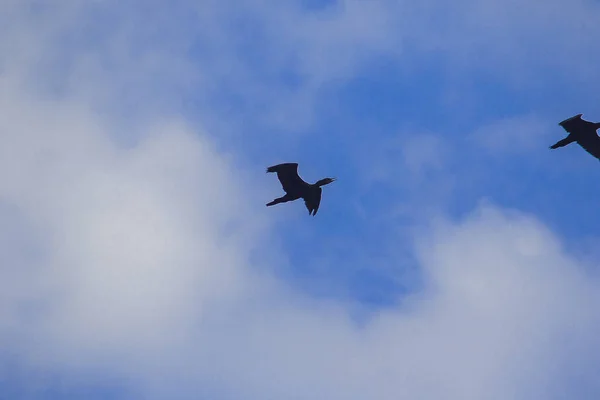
column 296, row 188
column 583, row 133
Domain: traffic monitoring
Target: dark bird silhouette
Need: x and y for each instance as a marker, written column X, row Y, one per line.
column 583, row 132
column 295, row 188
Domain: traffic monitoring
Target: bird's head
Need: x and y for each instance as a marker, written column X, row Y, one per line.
column 325, row 181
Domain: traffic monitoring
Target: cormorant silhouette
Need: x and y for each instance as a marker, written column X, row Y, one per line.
column 295, row 188
column 581, row 131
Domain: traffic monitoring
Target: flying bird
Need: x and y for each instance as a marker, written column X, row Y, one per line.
column 581, row 131
column 295, row 188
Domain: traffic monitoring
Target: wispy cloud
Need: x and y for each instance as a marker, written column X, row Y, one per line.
column 515, row 135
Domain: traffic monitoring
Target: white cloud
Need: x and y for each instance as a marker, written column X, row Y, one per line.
column 135, row 260
column 276, row 58
column 514, row 41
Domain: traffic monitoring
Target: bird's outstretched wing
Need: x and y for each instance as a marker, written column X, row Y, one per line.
column 287, row 174
column 579, row 126
column 584, row 132
column 312, row 200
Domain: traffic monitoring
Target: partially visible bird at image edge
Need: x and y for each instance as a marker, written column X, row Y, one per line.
column 582, row 132
column 296, row 188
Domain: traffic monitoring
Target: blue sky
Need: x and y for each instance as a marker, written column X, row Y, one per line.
column 139, row 259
